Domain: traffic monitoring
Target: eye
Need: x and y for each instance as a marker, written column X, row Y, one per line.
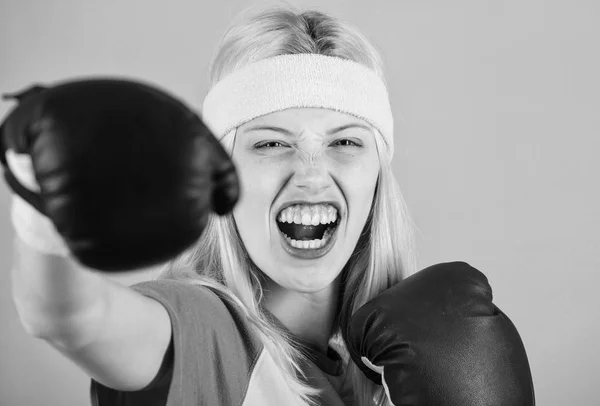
column 345, row 142
column 268, row 145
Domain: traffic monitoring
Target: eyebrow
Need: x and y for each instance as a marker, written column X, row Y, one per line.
column 289, row 133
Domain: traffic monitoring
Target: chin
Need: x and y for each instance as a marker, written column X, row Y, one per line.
column 307, row 279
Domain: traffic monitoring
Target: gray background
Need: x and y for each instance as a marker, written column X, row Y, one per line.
column 497, row 108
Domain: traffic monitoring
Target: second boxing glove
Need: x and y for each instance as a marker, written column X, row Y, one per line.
column 436, row 338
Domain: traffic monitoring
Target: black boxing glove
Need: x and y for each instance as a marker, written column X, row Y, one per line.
column 436, row 338
column 126, row 173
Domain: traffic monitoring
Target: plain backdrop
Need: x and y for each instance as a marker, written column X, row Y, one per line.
column 497, row 107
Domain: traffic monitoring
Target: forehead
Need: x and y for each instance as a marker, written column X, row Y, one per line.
column 304, row 117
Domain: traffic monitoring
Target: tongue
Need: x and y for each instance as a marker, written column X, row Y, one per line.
column 301, row 232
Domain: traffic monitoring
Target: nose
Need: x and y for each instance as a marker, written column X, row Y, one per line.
column 311, row 173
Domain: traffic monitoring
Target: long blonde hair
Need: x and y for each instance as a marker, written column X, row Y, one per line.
column 384, row 253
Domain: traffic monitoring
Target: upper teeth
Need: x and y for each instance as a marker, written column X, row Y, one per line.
column 313, row 214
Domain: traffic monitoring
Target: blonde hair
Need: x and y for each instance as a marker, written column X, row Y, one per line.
column 384, row 253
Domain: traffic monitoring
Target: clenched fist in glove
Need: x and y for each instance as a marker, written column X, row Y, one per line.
column 437, row 339
column 126, row 173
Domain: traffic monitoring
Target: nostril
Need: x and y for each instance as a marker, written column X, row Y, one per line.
column 313, row 187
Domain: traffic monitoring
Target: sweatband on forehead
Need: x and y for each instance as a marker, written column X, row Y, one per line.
column 295, row 81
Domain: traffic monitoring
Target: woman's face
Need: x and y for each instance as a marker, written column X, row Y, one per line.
column 308, row 177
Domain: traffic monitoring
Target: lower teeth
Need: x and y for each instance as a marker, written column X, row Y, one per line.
column 311, row 244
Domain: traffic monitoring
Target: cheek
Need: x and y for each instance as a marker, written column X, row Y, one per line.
column 259, row 187
column 359, row 186
column 251, row 213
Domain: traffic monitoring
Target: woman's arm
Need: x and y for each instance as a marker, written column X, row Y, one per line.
column 116, row 335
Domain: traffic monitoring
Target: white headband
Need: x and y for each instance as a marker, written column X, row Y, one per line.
column 299, row 80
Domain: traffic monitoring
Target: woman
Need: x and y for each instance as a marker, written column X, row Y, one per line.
column 314, row 166
column 287, row 159
column 300, row 295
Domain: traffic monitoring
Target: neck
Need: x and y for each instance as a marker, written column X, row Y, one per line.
column 308, row 316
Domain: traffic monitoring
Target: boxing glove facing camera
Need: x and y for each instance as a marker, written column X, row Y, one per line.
column 127, row 173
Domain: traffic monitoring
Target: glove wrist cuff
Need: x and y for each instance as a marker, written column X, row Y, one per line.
column 35, row 229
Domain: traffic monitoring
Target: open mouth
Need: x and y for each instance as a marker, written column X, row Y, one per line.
column 308, row 227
